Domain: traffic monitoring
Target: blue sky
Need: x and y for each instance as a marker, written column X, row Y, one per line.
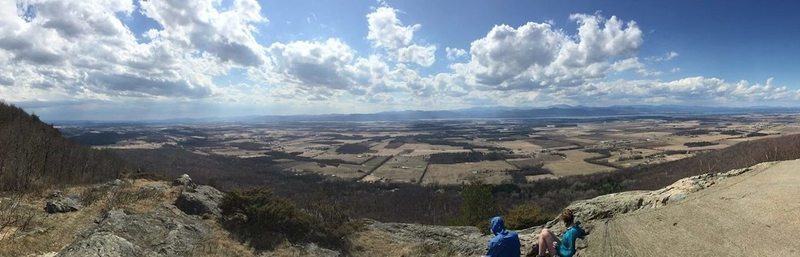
column 172, row 58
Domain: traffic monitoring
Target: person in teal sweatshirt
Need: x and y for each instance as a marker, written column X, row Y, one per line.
column 564, row 247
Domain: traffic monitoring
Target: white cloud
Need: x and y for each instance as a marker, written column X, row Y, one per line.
column 691, row 90
column 536, row 55
column 663, row 58
column 387, row 32
column 83, row 50
column 309, row 64
column 200, row 24
column 455, row 53
column 421, row 55
column 82, row 54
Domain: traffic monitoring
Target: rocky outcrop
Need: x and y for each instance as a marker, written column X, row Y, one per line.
column 599, row 210
column 608, row 206
column 183, row 180
column 61, row 204
column 103, row 244
column 164, row 232
column 466, row 240
column 200, row 200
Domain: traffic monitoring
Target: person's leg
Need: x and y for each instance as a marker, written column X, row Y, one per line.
column 546, row 242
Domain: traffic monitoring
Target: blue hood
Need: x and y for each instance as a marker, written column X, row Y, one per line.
column 497, row 226
column 505, row 243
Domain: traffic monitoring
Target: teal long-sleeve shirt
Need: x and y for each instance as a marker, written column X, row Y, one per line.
column 567, row 246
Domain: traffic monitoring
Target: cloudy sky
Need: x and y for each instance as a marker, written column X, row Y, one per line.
column 155, row 59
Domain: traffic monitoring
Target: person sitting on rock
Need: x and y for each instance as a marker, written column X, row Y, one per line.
column 505, row 243
column 549, row 243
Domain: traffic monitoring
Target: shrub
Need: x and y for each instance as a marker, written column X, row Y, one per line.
column 266, row 215
column 478, row 206
column 699, row 144
column 525, row 216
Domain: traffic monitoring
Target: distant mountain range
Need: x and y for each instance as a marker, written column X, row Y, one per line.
column 561, row 111
column 557, row 111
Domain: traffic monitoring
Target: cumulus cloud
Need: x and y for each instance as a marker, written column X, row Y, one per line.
column 201, row 25
column 387, row 32
column 455, row 53
column 422, row 55
column 536, row 55
column 312, row 63
column 691, row 90
column 84, row 52
column 84, row 49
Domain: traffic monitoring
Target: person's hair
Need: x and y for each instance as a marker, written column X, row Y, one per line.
column 567, row 216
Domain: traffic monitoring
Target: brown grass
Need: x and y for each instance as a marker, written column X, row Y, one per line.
column 28, row 230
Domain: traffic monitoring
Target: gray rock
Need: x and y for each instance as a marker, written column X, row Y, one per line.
column 102, row 245
column 183, row 180
column 62, row 204
column 55, row 194
column 315, row 250
column 468, row 241
column 161, row 233
column 116, row 182
column 200, row 200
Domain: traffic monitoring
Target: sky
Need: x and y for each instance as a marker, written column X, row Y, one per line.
column 161, row 59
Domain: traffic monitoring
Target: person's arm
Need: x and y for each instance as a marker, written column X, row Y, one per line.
column 493, row 244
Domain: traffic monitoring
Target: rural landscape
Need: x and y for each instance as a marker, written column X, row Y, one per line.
column 449, row 152
column 389, row 128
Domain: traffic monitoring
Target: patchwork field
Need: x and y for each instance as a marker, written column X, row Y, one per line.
column 452, row 152
column 407, row 169
column 491, row 172
column 573, row 164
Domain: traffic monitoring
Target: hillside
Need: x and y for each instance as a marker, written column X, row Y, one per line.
column 35, row 155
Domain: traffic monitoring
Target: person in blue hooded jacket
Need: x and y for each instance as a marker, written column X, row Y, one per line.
column 505, row 243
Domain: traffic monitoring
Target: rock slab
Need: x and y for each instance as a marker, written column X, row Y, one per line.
column 62, row 205
column 200, row 200
column 161, row 233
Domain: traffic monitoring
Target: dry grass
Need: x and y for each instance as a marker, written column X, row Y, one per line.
column 40, row 232
column 573, row 164
column 29, row 230
column 344, row 171
column 490, row 172
column 519, row 146
column 376, row 243
column 221, row 243
column 401, row 169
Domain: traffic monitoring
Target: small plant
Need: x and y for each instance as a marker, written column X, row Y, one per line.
column 91, row 195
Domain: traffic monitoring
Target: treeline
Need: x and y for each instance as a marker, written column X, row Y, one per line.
column 461, row 157
column 34, row 155
column 741, row 155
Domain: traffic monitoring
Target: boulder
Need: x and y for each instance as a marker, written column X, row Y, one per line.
column 183, row 180
column 164, row 232
column 62, row 204
column 102, row 245
column 200, row 200
column 467, row 240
